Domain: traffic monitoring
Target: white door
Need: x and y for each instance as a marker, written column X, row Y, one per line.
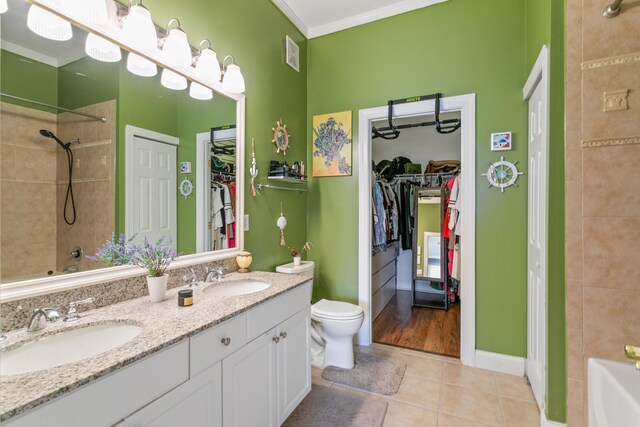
column 151, row 190
column 293, row 357
column 249, row 384
column 198, row 402
column 537, row 244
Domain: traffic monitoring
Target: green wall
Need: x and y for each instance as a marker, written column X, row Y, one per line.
column 87, row 82
column 545, row 25
column 27, row 78
column 254, row 33
column 450, row 48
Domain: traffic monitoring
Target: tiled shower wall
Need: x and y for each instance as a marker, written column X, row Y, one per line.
column 34, row 237
column 28, row 189
column 93, row 183
column 602, row 190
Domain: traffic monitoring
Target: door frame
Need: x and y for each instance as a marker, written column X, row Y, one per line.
column 466, row 105
column 539, row 76
column 203, row 168
column 130, row 133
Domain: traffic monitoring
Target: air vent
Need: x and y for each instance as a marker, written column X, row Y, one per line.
column 293, row 54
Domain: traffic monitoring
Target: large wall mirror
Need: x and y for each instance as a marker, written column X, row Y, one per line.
column 133, row 153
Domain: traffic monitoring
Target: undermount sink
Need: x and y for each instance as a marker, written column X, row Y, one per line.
column 235, row 288
column 614, row 394
column 65, row 347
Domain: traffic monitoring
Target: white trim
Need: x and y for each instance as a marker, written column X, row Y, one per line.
column 500, row 363
column 370, row 16
column 538, row 72
column 544, row 422
column 466, row 104
column 293, row 17
column 352, row 21
column 540, row 76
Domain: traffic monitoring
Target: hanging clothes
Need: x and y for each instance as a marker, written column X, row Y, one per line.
column 379, row 218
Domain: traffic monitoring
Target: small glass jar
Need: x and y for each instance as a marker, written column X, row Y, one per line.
column 185, row 298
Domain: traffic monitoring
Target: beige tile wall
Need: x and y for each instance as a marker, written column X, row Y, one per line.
column 93, row 183
column 28, row 189
column 34, row 238
column 603, row 191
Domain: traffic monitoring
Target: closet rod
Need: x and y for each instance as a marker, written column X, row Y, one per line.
column 261, row 186
column 55, row 107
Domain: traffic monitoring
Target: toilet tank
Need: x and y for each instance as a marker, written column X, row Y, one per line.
column 304, row 269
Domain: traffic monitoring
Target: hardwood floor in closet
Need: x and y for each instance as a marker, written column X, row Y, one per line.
column 418, row 328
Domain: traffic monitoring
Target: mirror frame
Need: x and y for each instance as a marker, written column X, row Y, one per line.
column 11, row 291
column 443, row 253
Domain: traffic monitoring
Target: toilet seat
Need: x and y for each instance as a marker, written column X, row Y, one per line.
column 336, row 310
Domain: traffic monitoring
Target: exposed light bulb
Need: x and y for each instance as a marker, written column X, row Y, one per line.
column 176, row 49
column 48, row 25
column 233, row 81
column 140, row 66
column 101, row 49
column 173, row 81
column 197, row 91
column 207, row 66
column 138, row 28
column 3, row 6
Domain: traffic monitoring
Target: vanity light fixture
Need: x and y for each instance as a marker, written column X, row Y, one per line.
column 94, row 11
column 101, row 49
column 207, row 69
column 139, row 31
column 176, row 51
column 232, row 80
column 48, row 25
column 3, row 9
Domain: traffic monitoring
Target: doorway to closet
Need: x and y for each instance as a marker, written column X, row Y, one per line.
column 425, row 277
column 415, row 249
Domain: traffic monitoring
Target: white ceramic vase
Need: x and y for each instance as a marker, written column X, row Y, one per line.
column 157, row 287
column 297, row 260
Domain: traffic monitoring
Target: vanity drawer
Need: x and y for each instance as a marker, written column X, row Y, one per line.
column 209, row 347
column 273, row 312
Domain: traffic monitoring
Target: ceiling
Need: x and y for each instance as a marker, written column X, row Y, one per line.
column 318, row 18
column 17, row 38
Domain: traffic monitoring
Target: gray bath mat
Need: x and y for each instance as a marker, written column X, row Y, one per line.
column 328, row 407
column 378, row 374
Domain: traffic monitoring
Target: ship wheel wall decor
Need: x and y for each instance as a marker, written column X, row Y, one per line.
column 280, row 137
column 502, row 174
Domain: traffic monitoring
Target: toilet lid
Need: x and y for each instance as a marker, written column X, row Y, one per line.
column 335, row 309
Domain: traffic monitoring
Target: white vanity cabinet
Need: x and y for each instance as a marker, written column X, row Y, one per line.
column 263, row 382
column 251, row 370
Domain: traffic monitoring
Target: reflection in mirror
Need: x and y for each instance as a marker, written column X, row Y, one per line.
column 428, row 246
column 54, row 216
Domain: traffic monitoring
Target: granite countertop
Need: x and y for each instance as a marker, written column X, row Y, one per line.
column 164, row 324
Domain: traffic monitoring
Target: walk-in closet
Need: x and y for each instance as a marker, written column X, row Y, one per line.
column 416, row 235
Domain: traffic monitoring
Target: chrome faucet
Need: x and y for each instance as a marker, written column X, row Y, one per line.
column 219, row 272
column 190, row 279
column 72, row 311
column 633, row 353
column 40, row 317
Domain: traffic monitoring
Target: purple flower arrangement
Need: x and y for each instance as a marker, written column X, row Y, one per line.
column 122, row 251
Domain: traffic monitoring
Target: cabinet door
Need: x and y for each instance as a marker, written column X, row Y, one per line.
column 293, row 356
column 249, row 384
column 198, row 402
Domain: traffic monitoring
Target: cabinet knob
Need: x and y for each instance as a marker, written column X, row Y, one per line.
column 283, row 335
column 226, row 341
column 276, row 339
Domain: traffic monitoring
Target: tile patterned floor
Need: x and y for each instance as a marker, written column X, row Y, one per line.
column 440, row 391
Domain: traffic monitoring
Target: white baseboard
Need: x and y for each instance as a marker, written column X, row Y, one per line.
column 500, row 363
column 544, row 422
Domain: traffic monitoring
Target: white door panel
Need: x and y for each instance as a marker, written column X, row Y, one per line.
column 536, row 254
column 151, row 199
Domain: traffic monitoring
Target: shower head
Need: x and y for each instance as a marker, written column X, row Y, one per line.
column 49, row 134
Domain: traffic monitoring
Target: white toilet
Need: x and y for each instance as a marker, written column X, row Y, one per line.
column 333, row 325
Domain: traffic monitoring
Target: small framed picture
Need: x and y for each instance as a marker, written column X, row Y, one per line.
column 185, row 167
column 501, row 141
